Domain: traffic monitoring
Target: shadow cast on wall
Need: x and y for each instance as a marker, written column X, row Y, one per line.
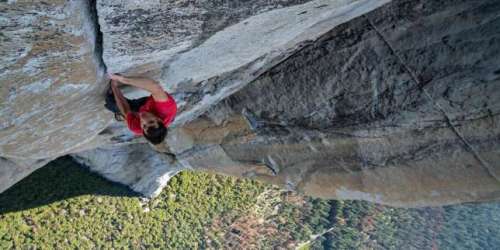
column 61, row 179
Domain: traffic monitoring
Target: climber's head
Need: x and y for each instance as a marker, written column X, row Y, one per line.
column 152, row 127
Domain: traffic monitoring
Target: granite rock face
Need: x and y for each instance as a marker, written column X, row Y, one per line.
column 394, row 102
column 140, row 36
column 146, row 171
column 214, row 65
column 49, row 83
column 372, row 111
column 12, row 171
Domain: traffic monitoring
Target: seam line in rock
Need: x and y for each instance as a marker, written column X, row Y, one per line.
column 98, row 43
column 468, row 146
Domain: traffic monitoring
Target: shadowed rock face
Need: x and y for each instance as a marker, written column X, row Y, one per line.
column 14, row 171
column 391, row 107
column 395, row 103
column 144, row 170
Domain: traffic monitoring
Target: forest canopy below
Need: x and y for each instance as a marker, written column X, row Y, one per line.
column 64, row 205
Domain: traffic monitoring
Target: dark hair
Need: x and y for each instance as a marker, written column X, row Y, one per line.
column 156, row 135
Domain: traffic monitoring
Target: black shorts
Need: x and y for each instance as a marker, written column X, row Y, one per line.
column 134, row 104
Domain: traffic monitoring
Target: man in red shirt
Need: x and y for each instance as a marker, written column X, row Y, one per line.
column 148, row 116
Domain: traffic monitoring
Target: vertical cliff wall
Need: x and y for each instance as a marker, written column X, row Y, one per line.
column 394, row 102
column 395, row 107
column 220, row 59
column 50, row 83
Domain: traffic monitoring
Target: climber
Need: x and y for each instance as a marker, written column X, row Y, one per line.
column 148, row 116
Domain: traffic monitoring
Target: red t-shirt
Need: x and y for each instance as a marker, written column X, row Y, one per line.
column 165, row 110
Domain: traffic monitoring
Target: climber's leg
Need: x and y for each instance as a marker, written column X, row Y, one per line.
column 110, row 103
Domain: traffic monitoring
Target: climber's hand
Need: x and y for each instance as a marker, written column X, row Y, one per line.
column 114, row 83
column 117, row 77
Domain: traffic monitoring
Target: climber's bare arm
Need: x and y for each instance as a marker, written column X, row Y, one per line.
column 147, row 84
column 121, row 102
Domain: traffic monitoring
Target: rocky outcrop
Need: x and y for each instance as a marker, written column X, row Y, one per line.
column 50, row 83
column 14, row 171
column 357, row 115
column 392, row 102
column 381, row 114
column 146, row 171
column 213, row 67
column 219, row 65
column 140, row 37
column 373, row 111
column 50, row 74
column 396, row 166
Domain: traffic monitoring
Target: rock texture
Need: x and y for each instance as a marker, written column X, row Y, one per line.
column 372, row 111
column 219, row 65
column 50, row 72
column 401, row 167
column 12, row 171
column 394, row 102
column 49, row 83
column 212, row 68
column 140, row 36
column 144, row 170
